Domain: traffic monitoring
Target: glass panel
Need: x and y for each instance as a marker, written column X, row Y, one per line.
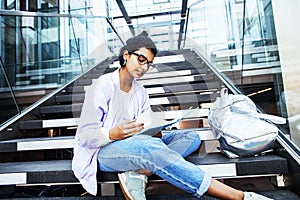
column 162, row 29
column 240, row 40
column 8, row 107
column 144, row 7
column 43, row 53
column 8, row 4
column 160, row 19
column 288, row 45
column 261, row 69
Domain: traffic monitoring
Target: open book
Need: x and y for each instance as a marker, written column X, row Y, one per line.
column 155, row 121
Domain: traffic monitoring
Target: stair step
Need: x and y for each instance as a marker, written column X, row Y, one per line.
column 165, row 81
column 37, row 172
column 66, row 142
column 159, row 69
column 31, row 144
column 96, row 72
column 69, row 98
column 71, row 122
column 184, row 88
column 30, row 124
column 185, row 83
column 184, row 99
column 178, row 80
column 59, row 171
column 255, row 165
column 152, row 91
column 177, row 62
column 174, row 73
column 74, row 89
column 171, row 76
column 82, row 82
column 160, row 90
column 78, row 88
column 177, row 67
column 161, row 59
column 154, row 102
column 169, row 59
column 188, row 78
column 61, row 109
column 171, row 67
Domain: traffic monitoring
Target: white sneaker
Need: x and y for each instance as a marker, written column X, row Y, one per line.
column 133, row 185
column 254, row 196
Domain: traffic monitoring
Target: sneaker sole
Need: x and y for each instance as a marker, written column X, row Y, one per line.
column 124, row 188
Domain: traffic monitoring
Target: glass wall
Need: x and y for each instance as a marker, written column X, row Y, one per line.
column 239, row 38
column 287, row 24
column 8, row 105
column 48, row 51
column 160, row 18
column 41, row 52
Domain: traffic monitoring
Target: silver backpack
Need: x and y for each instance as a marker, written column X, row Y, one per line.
column 240, row 128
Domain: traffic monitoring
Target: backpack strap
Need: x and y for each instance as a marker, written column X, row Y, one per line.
column 227, row 100
column 272, row 118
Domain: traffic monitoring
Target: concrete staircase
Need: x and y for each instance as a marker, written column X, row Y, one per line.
column 36, row 152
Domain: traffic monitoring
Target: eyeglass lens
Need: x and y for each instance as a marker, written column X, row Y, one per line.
column 143, row 60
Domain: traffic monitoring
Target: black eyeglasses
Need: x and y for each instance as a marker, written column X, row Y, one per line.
column 143, row 60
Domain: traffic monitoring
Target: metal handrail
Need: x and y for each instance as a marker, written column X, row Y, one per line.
column 115, row 31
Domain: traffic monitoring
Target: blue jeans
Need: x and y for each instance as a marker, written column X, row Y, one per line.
column 163, row 157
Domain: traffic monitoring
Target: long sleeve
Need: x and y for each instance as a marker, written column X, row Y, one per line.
column 98, row 115
column 91, row 132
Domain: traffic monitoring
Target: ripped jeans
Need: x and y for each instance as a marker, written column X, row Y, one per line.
column 163, row 157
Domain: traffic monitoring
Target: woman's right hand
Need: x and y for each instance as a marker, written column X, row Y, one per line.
column 125, row 130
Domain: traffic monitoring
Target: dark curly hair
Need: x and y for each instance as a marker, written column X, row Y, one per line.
column 135, row 43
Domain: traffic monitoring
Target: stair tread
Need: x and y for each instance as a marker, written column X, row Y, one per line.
column 153, row 91
column 43, row 171
column 189, row 75
column 167, row 89
column 73, row 121
column 65, row 142
column 30, row 144
column 171, row 100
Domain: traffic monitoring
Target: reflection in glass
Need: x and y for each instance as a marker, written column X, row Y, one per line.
column 43, row 53
column 8, row 106
column 240, row 40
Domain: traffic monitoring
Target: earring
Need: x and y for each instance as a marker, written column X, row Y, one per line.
column 124, row 63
